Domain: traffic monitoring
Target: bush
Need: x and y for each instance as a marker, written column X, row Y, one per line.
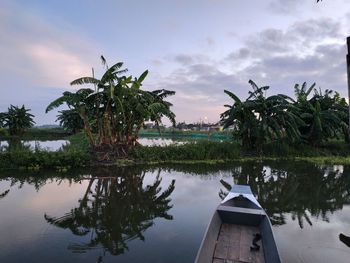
column 202, row 150
column 43, row 159
column 3, row 133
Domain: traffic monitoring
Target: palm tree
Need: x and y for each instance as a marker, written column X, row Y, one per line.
column 17, row 120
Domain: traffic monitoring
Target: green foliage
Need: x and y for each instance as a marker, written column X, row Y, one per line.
column 260, row 120
column 78, row 142
column 3, row 133
column 114, row 113
column 40, row 159
column 325, row 114
column 17, row 120
column 70, row 120
column 202, row 150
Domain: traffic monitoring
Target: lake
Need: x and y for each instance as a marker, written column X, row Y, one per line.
column 159, row 214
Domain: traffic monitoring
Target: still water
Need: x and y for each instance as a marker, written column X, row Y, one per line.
column 159, row 214
column 55, row 145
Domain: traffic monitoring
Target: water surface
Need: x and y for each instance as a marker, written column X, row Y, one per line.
column 55, row 145
column 159, row 214
column 52, row 145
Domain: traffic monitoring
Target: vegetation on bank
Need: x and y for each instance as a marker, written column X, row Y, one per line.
column 231, row 151
column 77, row 154
column 184, row 133
column 312, row 126
column 74, row 155
column 41, row 159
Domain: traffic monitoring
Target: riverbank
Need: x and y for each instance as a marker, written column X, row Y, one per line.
column 77, row 155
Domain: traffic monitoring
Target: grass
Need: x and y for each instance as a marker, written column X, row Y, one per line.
column 60, row 160
column 180, row 133
column 335, row 152
column 202, row 150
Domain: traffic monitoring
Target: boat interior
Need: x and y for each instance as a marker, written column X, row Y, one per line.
column 239, row 236
column 234, row 244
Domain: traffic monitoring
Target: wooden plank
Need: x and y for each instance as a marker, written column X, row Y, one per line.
column 246, row 236
column 221, row 250
column 233, row 245
column 233, row 252
column 258, row 256
column 245, row 254
column 218, row 260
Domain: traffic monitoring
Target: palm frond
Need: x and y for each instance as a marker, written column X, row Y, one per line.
column 85, row 80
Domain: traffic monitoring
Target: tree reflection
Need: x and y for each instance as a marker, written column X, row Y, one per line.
column 303, row 190
column 116, row 210
column 5, row 193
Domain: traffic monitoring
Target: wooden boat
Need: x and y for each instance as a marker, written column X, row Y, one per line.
column 239, row 232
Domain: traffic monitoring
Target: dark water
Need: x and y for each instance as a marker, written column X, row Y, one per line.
column 159, row 214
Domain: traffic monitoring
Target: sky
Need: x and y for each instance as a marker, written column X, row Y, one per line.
column 198, row 48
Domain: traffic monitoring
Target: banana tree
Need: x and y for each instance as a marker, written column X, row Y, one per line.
column 114, row 113
column 324, row 114
column 70, row 120
column 260, row 119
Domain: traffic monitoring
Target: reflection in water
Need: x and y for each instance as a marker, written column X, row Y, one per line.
column 296, row 189
column 115, row 210
column 2, row 195
column 118, row 205
column 345, row 239
column 17, row 144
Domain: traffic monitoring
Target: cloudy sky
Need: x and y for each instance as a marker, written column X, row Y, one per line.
column 197, row 48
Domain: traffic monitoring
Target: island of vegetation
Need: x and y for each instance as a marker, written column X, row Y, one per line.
column 103, row 125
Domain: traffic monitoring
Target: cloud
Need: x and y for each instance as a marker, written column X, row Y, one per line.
column 210, row 41
column 284, row 6
column 199, row 90
column 239, row 54
column 184, row 59
column 43, row 53
column 311, row 50
column 39, row 59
